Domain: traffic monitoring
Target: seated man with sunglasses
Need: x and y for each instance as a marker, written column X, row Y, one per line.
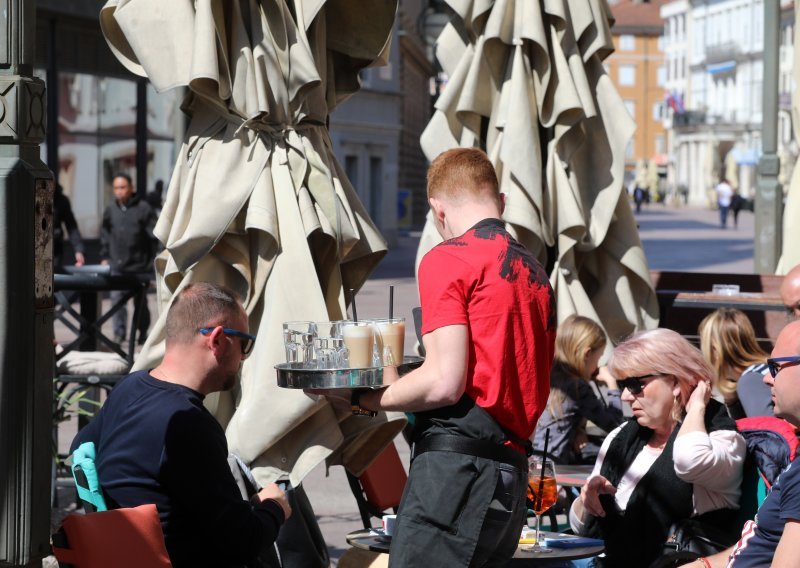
column 773, row 538
column 156, row 442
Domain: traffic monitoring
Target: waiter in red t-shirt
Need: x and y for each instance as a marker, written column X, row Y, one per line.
column 489, row 322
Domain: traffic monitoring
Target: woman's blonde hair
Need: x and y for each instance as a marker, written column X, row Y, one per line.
column 575, row 335
column 728, row 342
column 666, row 352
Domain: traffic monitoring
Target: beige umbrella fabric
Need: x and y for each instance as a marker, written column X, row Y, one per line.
column 257, row 200
column 790, row 256
column 526, row 82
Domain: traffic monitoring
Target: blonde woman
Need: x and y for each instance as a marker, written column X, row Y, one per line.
column 579, row 345
column 678, row 457
column 729, row 344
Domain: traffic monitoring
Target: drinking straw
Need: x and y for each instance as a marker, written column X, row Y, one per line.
column 353, row 301
column 391, row 302
column 544, row 459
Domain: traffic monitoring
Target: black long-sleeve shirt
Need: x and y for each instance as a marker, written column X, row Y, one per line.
column 63, row 218
column 156, row 443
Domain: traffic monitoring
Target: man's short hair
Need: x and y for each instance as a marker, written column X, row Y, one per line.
column 198, row 305
column 462, row 172
column 124, row 176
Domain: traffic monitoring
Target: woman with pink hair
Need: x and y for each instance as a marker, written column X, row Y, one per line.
column 679, row 457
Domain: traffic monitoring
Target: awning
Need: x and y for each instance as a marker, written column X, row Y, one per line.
column 725, row 67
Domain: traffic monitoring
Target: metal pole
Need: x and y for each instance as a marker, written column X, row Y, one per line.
column 769, row 195
column 26, row 297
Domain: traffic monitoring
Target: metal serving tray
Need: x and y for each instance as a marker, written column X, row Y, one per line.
column 294, row 376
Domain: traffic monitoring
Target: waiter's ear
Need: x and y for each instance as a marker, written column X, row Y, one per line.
column 437, row 209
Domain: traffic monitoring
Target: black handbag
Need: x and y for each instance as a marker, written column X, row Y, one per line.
column 690, row 539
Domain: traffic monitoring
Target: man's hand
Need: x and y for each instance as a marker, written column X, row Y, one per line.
column 79, row 259
column 275, row 493
column 104, row 262
column 338, row 398
column 591, row 491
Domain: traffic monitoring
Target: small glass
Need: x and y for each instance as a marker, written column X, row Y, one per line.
column 542, row 494
column 359, row 339
column 298, row 341
column 329, row 349
column 390, row 337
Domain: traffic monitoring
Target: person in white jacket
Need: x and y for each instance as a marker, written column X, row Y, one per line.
column 678, row 457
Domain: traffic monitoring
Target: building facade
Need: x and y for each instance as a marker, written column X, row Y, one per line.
column 715, row 132
column 638, row 70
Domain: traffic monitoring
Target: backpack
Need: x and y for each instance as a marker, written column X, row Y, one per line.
column 771, row 445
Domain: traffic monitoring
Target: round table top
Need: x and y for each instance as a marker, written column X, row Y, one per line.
column 376, row 541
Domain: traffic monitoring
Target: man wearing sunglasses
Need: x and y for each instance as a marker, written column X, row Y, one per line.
column 773, row 538
column 156, row 442
column 790, row 292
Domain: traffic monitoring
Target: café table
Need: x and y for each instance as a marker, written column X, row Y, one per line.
column 375, row 541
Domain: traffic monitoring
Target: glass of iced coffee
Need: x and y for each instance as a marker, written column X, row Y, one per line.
column 359, row 339
column 390, row 336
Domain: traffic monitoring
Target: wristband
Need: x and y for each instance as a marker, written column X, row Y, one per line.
column 356, row 408
column 704, row 561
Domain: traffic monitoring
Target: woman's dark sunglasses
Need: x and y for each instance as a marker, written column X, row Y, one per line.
column 635, row 385
column 775, row 365
column 247, row 340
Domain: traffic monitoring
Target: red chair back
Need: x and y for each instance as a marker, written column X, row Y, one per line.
column 122, row 538
column 384, row 480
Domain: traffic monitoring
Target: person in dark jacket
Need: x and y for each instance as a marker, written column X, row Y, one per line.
column 64, row 224
column 128, row 245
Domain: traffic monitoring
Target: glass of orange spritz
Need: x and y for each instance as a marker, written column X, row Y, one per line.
column 542, row 492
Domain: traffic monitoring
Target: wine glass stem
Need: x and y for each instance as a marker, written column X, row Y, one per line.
column 538, row 521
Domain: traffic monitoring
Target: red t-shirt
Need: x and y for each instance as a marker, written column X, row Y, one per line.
column 489, row 282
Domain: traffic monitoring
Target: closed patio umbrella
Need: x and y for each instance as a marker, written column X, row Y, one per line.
column 257, row 200
column 527, row 84
column 790, row 256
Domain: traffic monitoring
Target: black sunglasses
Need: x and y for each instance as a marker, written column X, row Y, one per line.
column 635, row 384
column 775, row 365
column 247, row 340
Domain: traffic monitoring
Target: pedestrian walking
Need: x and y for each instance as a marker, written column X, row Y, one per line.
column 128, row 245
column 724, row 198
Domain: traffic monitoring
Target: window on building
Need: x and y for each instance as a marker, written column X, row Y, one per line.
column 627, row 42
column 661, row 75
column 627, row 75
column 630, row 106
column 375, row 187
column 660, row 144
column 659, row 111
column 351, row 169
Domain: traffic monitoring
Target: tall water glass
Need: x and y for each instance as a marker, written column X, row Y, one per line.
column 298, row 341
column 542, row 493
column 329, row 349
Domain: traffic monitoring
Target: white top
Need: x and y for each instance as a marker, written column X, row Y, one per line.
column 711, row 462
column 724, row 194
